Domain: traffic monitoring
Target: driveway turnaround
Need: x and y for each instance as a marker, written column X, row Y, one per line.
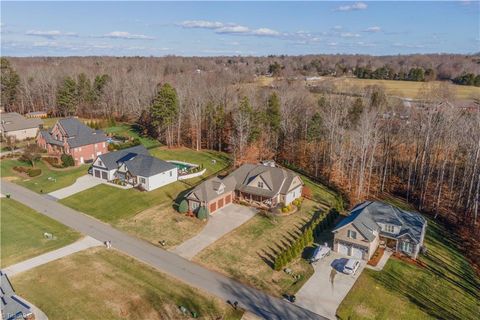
column 220, row 223
column 83, row 183
column 328, row 286
column 171, row 264
column 80, row 245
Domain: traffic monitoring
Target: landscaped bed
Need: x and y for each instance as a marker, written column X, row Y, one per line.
column 102, row 284
column 22, row 233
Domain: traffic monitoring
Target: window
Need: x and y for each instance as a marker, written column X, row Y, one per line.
column 104, row 144
column 352, row 234
column 171, row 173
column 389, row 228
column 406, row 247
column 195, row 205
column 260, row 184
column 100, row 163
column 142, row 180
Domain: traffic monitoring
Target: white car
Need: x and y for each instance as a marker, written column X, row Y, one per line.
column 320, row 253
column 351, row 266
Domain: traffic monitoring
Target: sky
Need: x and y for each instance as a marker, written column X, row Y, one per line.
column 238, row 28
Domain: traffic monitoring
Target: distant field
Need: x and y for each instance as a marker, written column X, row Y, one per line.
column 22, row 233
column 102, row 284
column 407, row 89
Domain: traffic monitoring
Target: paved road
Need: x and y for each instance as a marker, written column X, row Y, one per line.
column 82, row 183
column 319, row 293
column 223, row 287
column 77, row 246
column 220, row 223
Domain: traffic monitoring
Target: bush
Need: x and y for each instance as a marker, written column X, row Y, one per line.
column 34, row 172
column 67, row 160
column 54, row 162
column 202, row 213
column 183, row 206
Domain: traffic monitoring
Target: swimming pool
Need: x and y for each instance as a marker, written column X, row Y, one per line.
column 182, row 165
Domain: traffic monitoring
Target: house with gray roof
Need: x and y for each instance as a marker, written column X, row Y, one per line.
column 15, row 125
column 71, row 136
column 374, row 223
column 12, row 307
column 260, row 185
column 136, row 167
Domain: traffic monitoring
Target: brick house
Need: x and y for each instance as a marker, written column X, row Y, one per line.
column 70, row 136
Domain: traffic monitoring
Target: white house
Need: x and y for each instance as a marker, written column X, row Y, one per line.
column 136, row 167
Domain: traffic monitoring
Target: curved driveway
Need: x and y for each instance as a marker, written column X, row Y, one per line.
column 221, row 286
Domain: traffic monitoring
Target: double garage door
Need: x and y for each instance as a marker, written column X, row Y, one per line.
column 220, row 203
column 100, row 174
column 350, row 250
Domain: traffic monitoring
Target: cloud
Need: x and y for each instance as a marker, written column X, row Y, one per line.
column 373, row 29
column 336, row 28
column 51, row 34
column 349, row 35
column 229, row 28
column 353, row 7
column 126, row 35
column 410, row 46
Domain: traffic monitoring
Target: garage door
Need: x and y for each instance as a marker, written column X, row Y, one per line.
column 343, row 249
column 228, row 199
column 357, row 253
column 213, row 207
column 104, row 175
column 97, row 173
column 220, row 203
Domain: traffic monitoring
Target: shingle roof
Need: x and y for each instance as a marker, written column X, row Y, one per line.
column 111, row 159
column 367, row 216
column 49, row 139
column 78, row 134
column 11, row 306
column 147, row 166
column 205, row 191
column 14, row 121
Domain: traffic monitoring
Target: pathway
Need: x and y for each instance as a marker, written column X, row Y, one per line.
column 220, row 223
column 193, row 274
column 382, row 262
column 83, row 183
column 80, row 245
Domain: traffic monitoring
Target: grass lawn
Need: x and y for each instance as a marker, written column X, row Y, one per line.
column 446, row 288
column 60, row 178
column 109, row 285
column 128, row 130
column 246, row 253
column 22, row 233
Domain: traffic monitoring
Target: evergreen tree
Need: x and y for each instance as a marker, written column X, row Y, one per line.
column 67, row 97
column 10, row 83
column 164, row 111
column 273, row 113
column 183, row 206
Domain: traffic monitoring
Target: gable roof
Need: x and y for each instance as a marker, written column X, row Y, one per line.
column 78, row 134
column 11, row 305
column 13, row 121
column 110, row 160
column 208, row 189
column 367, row 216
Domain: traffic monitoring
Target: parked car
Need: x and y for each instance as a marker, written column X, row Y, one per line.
column 320, row 252
column 351, row 266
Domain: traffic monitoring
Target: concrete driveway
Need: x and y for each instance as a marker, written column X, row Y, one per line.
column 220, row 223
column 322, row 295
column 83, row 183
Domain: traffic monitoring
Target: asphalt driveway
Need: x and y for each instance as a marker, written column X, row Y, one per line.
column 220, row 223
column 328, row 286
column 83, row 183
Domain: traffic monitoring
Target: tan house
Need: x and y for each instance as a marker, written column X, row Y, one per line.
column 263, row 186
column 15, row 125
column 372, row 224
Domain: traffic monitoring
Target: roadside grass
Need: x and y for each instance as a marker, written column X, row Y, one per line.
column 125, row 129
column 247, row 252
column 445, row 288
column 22, row 233
column 406, row 89
column 109, row 285
column 50, row 179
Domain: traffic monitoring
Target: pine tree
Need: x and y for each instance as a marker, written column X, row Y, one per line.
column 10, row 83
column 164, row 111
column 67, row 97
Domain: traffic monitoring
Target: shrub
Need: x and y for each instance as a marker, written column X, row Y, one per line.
column 54, row 162
column 183, row 206
column 202, row 213
column 34, row 172
column 67, row 160
column 284, row 209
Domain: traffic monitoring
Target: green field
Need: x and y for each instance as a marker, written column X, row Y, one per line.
column 22, row 233
column 446, row 288
column 127, row 130
column 102, row 284
column 50, row 179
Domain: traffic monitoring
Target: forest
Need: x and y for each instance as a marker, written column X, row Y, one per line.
column 363, row 144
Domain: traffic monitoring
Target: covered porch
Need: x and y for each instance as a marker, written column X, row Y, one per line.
column 257, row 201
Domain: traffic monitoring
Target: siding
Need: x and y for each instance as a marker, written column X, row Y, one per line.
column 360, row 241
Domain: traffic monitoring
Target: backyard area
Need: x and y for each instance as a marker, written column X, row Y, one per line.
column 22, row 232
column 246, row 253
column 49, row 180
column 115, row 286
column 443, row 286
column 128, row 130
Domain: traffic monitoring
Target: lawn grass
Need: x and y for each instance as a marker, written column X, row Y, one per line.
column 50, row 179
column 125, row 129
column 22, row 233
column 247, row 252
column 105, row 284
column 446, row 288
